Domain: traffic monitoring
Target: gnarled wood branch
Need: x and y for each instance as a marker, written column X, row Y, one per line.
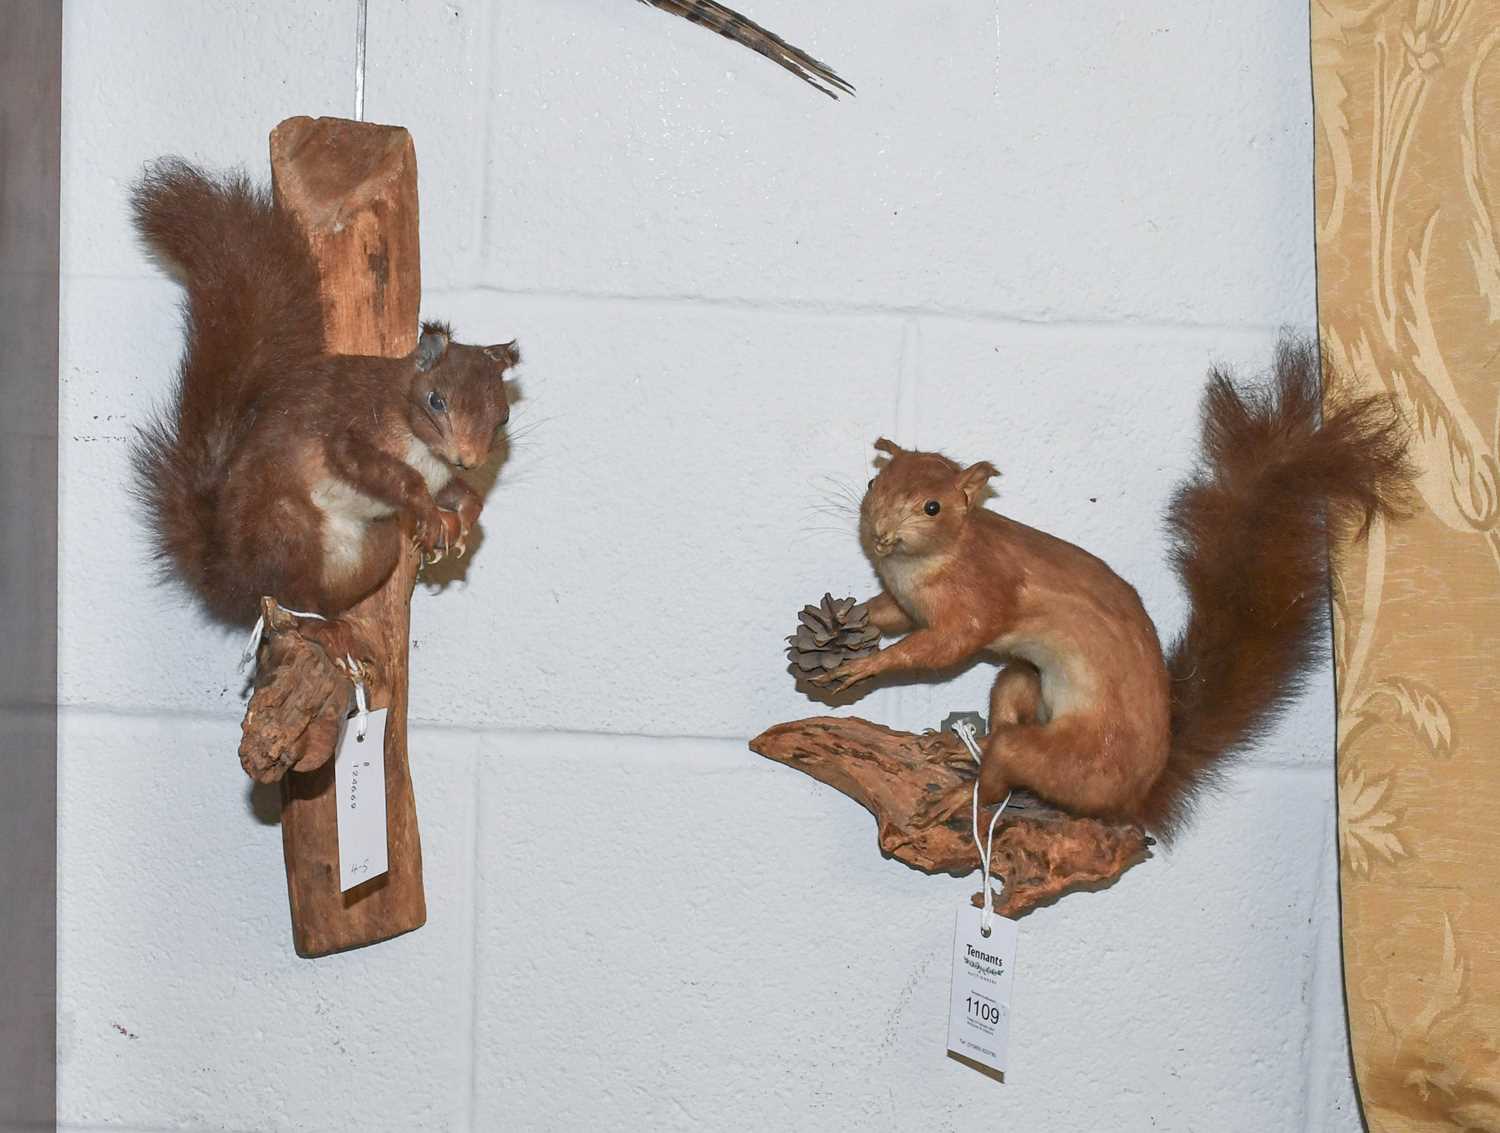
column 298, row 703
column 1039, row 852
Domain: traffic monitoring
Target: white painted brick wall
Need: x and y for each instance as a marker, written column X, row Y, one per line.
column 1024, row 240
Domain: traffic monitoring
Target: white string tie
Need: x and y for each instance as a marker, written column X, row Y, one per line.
column 361, row 17
column 252, row 647
column 965, row 731
column 361, row 704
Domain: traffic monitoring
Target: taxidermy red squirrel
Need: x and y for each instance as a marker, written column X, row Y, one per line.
column 1088, row 712
column 280, row 469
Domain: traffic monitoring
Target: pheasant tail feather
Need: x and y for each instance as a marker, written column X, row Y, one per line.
column 730, row 24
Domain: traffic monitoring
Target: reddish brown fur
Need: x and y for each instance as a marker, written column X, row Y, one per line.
column 1089, row 713
column 1282, row 477
column 279, row 469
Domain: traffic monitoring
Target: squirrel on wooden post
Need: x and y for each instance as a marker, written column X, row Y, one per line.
column 280, row 469
column 1089, row 712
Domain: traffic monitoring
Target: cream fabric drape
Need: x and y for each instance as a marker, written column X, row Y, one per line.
column 1407, row 101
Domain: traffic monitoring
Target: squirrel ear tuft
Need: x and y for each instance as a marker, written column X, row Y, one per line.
column 971, row 480
column 883, row 445
column 432, row 345
column 505, row 353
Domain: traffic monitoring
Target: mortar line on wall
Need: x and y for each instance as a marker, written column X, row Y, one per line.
column 506, row 734
column 474, row 895
column 486, row 167
column 907, row 426
column 1313, row 1090
column 908, row 381
column 1314, row 1084
column 109, row 1127
column 1310, row 1015
column 822, row 308
column 830, row 309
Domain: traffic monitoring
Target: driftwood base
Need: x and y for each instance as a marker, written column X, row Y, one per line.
column 1039, row 852
column 299, row 700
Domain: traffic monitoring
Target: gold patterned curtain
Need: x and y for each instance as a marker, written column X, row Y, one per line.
column 1407, row 99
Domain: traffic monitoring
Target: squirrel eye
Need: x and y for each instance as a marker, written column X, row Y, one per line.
column 871, row 484
column 932, row 507
column 438, row 403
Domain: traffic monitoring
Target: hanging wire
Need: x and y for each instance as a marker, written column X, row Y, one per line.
column 361, row 15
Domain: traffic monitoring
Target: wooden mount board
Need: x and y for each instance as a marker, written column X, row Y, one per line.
column 353, row 187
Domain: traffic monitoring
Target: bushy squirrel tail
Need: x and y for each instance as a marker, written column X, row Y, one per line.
column 1282, row 476
column 251, row 312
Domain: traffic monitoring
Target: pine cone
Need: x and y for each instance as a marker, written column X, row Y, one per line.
column 830, row 634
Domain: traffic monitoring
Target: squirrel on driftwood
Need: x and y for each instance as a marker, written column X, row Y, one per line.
column 1089, row 713
column 280, row 469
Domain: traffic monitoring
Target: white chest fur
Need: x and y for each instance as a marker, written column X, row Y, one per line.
column 902, row 576
column 347, row 511
column 433, row 470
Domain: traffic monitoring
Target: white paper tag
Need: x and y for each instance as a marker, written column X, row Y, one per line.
column 359, row 779
column 979, row 1008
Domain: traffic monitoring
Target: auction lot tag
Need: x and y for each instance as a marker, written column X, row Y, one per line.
column 979, row 1007
column 359, row 779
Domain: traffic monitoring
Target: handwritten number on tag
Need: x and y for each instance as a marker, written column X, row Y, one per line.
column 359, row 779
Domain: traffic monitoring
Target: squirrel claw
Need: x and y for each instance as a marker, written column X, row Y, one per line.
column 935, row 746
column 435, row 538
column 846, row 676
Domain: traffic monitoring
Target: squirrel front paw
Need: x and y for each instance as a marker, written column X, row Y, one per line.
column 940, row 747
column 467, row 513
column 849, row 674
column 434, row 532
